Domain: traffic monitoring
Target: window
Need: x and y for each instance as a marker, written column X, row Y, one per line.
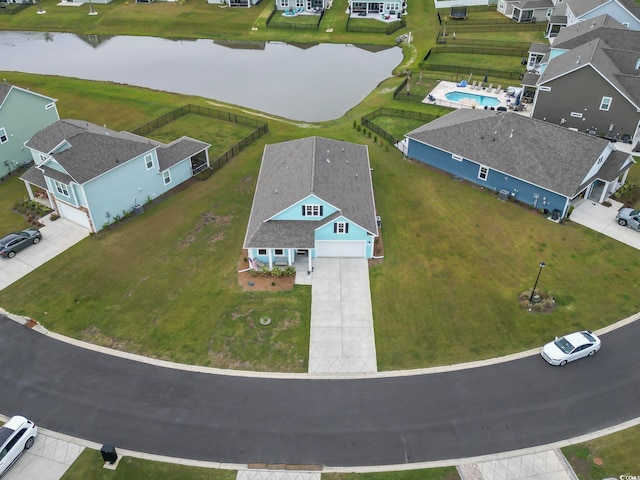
column 284, row 3
column 166, row 177
column 576, row 114
column 262, row 251
column 300, row 3
column 279, row 251
column 48, row 106
column 341, row 227
column 605, row 104
column 549, row 12
column 43, row 157
column 61, row 188
column 456, row 157
column 312, row 210
column 544, row 88
column 148, row 161
column 483, row 173
column 3, row 136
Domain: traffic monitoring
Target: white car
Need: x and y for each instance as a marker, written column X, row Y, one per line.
column 571, row 347
column 16, row 436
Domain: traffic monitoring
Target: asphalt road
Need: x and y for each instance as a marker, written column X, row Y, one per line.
column 374, row 421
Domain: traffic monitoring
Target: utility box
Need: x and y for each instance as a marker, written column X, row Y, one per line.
column 109, row 454
column 504, row 195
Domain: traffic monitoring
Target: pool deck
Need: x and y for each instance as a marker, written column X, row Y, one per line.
column 444, row 87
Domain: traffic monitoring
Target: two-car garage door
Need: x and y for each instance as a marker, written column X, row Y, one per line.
column 331, row 248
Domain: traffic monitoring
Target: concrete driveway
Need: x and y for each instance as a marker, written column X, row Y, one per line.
column 56, row 237
column 603, row 219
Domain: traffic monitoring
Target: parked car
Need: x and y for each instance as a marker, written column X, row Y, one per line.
column 571, row 347
column 16, row 436
column 628, row 217
column 16, row 241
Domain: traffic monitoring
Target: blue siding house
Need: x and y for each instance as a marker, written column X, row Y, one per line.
column 528, row 160
column 627, row 12
column 92, row 174
column 22, row 114
column 314, row 198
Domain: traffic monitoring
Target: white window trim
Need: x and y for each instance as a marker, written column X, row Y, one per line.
column 483, row 172
column 166, row 177
column 312, row 210
column 544, row 88
column 607, row 105
column 262, row 251
column 148, row 158
column 3, row 134
column 48, row 106
column 61, row 188
column 456, row 157
column 576, row 114
column 341, row 228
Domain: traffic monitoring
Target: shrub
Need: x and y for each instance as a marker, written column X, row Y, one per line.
column 290, row 271
column 277, row 272
column 264, row 271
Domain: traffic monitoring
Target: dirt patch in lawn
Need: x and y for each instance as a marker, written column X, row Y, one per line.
column 254, row 282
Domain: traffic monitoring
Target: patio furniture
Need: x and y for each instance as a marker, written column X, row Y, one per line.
column 499, row 89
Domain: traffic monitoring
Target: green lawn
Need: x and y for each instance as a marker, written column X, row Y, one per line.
column 164, row 284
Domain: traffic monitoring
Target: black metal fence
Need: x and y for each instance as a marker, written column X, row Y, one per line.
column 504, row 27
column 12, row 8
column 387, row 30
column 449, row 39
column 261, row 128
column 466, row 70
column 276, row 21
column 392, row 112
column 481, row 50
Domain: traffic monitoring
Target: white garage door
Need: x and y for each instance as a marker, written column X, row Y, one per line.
column 74, row 214
column 329, row 248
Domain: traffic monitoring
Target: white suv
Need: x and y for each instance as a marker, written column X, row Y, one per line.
column 16, row 436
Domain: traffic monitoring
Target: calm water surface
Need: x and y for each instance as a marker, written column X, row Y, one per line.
column 297, row 81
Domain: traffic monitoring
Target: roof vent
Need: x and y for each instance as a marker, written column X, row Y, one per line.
column 578, row 60
column 276, row 191
column 511, row 134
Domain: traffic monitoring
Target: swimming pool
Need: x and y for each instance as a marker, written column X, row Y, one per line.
column 479, row 99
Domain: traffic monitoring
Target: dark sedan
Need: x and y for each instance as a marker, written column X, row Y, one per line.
column 16, row 241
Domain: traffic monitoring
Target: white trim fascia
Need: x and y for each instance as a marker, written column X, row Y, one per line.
column 302, row 200
column 345, row 220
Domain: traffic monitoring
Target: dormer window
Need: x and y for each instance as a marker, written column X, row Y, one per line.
column 3, row 136
column 312, row 210
column 61, row 188
column 341, row 227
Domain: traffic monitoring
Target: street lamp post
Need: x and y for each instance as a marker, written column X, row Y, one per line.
column 542, row 264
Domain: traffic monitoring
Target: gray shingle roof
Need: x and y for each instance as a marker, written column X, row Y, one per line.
column 95, row 150
column 540, row 48
column 293, row 170
column 175, row 152
column 533, row 4
column 616, row 66
column 580, row 7
column 608, row 29
column 511, row 144
column 35, row 177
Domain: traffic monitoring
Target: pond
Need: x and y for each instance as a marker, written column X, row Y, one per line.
column 308, row 82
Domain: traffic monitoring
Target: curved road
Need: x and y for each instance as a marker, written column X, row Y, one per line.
column 375, row 421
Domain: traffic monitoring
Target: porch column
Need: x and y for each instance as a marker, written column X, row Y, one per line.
column 270, row 252
column 310, row 269
column 289, row 257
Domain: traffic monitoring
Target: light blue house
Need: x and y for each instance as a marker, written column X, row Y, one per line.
column 387, row 10
column 22, row 114
column 314, row 198
column 532, row 161
column 627, row 12
column 93, row 175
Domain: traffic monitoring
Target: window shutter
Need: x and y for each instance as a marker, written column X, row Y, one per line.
column 335, row 228
column 346, row 228
column 320, row 210
column 304, row 210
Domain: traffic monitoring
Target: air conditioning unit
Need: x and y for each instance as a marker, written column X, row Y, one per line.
column 503, row 195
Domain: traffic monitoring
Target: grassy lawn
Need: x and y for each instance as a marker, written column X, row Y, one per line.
column 12, row 190
column 611, row 456
column 164, row 284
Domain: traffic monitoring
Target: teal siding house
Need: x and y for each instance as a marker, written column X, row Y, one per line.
column 314, row 198
column 92, row 175
column 22, row 114
column 537, row 163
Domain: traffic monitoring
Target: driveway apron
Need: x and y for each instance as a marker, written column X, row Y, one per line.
column 603, row 219
column 342, row 336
